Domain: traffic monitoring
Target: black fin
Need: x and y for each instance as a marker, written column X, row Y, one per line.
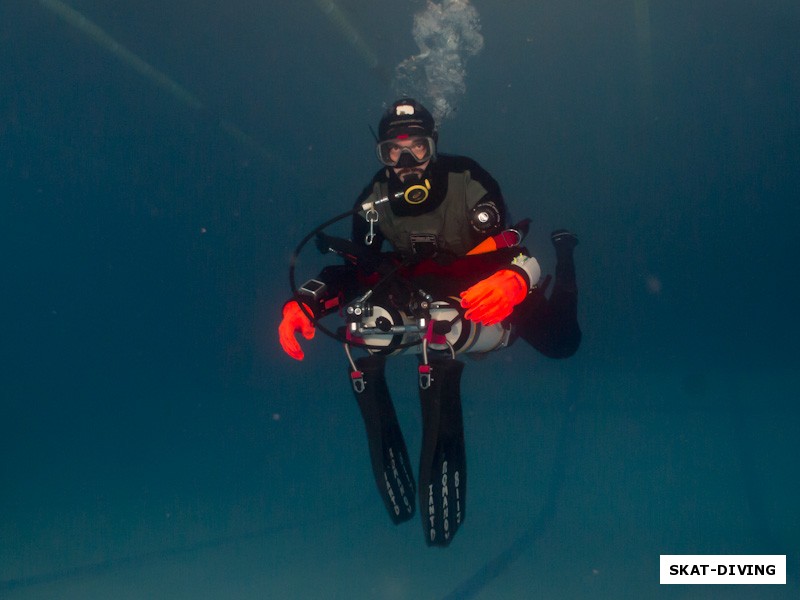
column 387, row 448
column 443, row 463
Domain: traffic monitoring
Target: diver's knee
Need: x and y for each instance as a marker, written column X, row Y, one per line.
column 562, row 346
column 568, row 346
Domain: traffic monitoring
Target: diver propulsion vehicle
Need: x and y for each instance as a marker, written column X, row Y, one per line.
column 423, row 324
column 435, row 325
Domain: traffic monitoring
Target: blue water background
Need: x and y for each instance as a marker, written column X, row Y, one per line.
column 155, row 441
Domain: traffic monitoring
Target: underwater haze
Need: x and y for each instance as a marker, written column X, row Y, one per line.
column 159, row 163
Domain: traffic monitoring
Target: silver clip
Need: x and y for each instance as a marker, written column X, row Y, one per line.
column 425, row 368
column 356, row 376
column 372, row 217
column 425, row 377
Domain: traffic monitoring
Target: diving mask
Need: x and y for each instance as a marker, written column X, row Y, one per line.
column 406, row 151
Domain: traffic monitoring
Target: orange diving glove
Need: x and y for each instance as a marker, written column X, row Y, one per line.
column 294, row 320
column 492, row 299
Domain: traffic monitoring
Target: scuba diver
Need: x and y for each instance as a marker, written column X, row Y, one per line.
column 456, row 280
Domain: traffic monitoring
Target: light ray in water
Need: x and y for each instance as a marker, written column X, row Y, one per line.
column 350, row 33
column 643, row 39
column 90, row 29
column 134, row 62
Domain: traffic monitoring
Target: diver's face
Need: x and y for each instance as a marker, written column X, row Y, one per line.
column 419, row 148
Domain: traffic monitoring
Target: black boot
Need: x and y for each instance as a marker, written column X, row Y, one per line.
column 387, row 448
column 564, row 242
column 565, row 333
column 563, row 239
column 550, row 324
column 443, row 463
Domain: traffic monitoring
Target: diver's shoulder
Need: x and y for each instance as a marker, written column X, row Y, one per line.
column 457, row 163
column 465, row 165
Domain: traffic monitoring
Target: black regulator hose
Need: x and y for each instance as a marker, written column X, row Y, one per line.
column 293, row 283
column 315, row 320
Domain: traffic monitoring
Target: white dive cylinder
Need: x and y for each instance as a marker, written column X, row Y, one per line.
column 391, row 331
